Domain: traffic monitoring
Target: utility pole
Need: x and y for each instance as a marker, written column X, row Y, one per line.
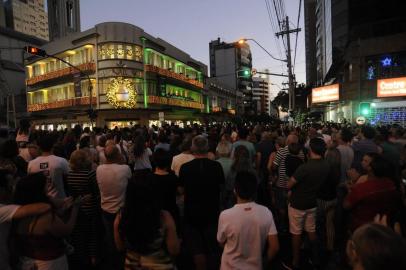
column 287, row 31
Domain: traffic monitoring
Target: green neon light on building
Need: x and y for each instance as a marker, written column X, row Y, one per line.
column 145, row 76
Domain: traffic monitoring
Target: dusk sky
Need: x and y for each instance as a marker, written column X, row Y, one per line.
column 191, row 24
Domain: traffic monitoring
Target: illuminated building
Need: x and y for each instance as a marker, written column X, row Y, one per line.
column 134, row 77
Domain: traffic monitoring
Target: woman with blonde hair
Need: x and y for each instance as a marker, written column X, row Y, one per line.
column 86, row 233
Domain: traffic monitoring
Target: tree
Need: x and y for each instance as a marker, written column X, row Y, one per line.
column 282, row 101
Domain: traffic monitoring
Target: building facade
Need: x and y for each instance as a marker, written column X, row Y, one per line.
column 260, row 95
column 222, row 100
column 28, row 17
column 367, row 50
column 227, row 61
column 133, row 76
column 63, row 18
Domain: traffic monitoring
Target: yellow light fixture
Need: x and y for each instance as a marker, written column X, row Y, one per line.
column 121, row 93
column 71, row 52
column 88, row 46
column 241, row 41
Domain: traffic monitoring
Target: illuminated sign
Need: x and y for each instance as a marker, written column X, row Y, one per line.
column 175, row 102
column 121, row 93
column 326, row 93
column 391, row 87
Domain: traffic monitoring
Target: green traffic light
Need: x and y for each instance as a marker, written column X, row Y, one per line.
column 365, row 112
column 246, row 72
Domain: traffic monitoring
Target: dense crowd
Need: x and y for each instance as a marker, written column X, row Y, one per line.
column 321, row 196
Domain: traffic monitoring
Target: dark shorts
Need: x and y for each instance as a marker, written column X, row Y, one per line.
column 281, row 197
column 200, row 240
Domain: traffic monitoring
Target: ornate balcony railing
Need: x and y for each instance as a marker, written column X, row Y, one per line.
column 61, row 104
column 61, row 73
column 171, row 74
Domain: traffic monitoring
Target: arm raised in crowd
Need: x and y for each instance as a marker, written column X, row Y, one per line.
column 33, row 209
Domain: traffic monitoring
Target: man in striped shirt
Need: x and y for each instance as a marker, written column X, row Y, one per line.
column 281, row 187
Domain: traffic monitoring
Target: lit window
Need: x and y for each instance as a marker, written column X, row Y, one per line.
column 120, row 51
column 129, row 52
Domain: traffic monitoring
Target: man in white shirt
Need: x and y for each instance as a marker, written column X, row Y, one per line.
column 245, row 229
column 112, row 179
column 182, row 158
column 10, row 212
column 54, row 168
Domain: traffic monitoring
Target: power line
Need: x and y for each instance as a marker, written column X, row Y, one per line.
column 274, row 27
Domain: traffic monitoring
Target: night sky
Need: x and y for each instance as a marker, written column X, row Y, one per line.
column 191, row 24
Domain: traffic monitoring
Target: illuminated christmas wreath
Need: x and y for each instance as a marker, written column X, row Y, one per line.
column 121, row 93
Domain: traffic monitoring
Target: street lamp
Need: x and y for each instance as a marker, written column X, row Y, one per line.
column 244, row 40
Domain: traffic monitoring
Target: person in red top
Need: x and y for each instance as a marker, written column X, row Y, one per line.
column 376, row 195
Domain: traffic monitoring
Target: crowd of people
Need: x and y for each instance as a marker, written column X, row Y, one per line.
column 257, row 196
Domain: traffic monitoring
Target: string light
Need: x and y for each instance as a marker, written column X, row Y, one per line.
column 121, row 93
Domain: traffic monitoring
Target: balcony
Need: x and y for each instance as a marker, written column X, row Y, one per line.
column 61, row 104
column 171, row 74
column 86, row 67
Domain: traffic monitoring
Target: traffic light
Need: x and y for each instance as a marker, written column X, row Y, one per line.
column 365, row 108
column 244, row 73
column 35, row 51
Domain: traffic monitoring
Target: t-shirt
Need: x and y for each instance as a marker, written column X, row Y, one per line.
column 165, row 187
column 292, row 162
column 226, row 164
column 361, row 148
column 346, row 159
column 370, row 198
column 250, row 147
column 164, row 146
column 280, row 162
column 143, row 162
column 309, row 178
column 244, row 229
column 55, row 169
column 265, row 148
column 112, row 180
column 6, row 215
column 202, row 179
column 179, row 160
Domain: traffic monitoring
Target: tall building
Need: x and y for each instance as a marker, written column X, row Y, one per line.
column 310, row 41
column 28, row 17
column 64, row 17
column 260, row 94
column 360, row 48
column 226, row 61
column 12, row 72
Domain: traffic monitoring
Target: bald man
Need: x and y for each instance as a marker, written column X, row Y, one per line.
column 112, row 179
column 281, row 186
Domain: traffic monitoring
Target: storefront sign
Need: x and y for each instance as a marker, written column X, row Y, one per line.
column 171, row 74
column 61, row 73
column 61, row 104
column 175, row 102
column 326, row 93
column 121, row 93
column 392, row 87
